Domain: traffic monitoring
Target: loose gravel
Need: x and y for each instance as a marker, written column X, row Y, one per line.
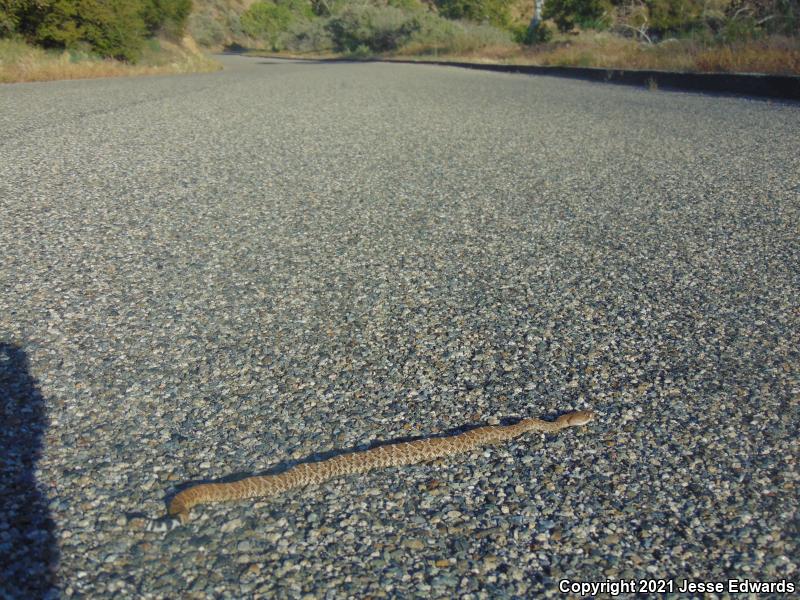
column 216, row 274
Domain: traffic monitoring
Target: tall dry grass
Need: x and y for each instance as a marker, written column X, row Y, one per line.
column 774, row 55
column 777, row 55
column 21, row 62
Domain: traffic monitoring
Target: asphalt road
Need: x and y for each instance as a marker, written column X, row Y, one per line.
column 217, row 274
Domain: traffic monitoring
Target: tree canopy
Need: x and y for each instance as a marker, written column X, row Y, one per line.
column 112, row 28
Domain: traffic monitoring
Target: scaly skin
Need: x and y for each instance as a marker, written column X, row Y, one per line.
column 390, row 455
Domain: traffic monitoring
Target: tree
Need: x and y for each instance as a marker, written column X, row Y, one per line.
column 168, row 16
column 9, row 17
column 112, row 28
column 22, row 16
column 538, row 5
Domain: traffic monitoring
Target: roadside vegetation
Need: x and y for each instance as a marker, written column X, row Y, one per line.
column 685, row 35
column 54, row 39
column 66, row 39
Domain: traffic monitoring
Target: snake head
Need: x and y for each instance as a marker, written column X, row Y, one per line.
column 574, row 419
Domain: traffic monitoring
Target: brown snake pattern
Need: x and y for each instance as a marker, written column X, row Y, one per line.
column 390, row 455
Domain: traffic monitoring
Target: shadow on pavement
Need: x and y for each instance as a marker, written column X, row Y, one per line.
column 238, row 50
column 28, row 551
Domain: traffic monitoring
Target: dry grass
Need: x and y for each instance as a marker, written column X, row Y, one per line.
column 491, row 53
column 780, row 56
column 774, row 55
column 22, row 62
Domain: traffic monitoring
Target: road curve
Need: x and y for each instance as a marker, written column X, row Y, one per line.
column 215, row 274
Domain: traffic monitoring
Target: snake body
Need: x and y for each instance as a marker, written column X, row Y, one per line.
column 389, row 455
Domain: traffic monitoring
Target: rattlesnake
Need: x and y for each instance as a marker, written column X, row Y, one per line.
column 390, row 455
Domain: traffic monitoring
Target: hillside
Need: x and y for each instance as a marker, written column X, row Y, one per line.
column 76, row 38
column 680, row 35
column 218, row 23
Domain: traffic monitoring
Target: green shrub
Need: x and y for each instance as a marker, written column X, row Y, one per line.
column 206, row 30
column 408, row 5
column 787, row 18
column 435, row 32
column 269, row 21
column 324, row 8
column 233, row 24
column 9, row 17
column 739, row 30
column 750, row 19
column 716, row 20
column 378, row 28
column 496, row 12
column 540, row 34
column 112, row 28
column 20, row 17
column 309, row 36
column 362, row 51
column 674, row 15
column 166, row 16
column 568, row 13
column 455, row 37
column 265, row 20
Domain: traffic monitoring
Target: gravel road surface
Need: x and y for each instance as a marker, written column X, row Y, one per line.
column 209, row 275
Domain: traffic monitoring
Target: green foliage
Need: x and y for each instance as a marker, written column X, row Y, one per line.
column 455, row 37
column 408, row 5
column 740, row 29
column 269, row 20
column 111, row 28
column 673, row 15
column 325, row 8
column 362, row 51
column 23, row 15
column 343, row 25
column 788, row 18
column 528, row 35
column 265, row 20
column 215, row 23
column 326, row 25
column 753, row 18
column 168, row 16
column 714, row 20
column 378, row 28
column 496, row 12
column 9, row 17
column 20, row 17
column 206, row 29
column 309, row 36
column 568, row 13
